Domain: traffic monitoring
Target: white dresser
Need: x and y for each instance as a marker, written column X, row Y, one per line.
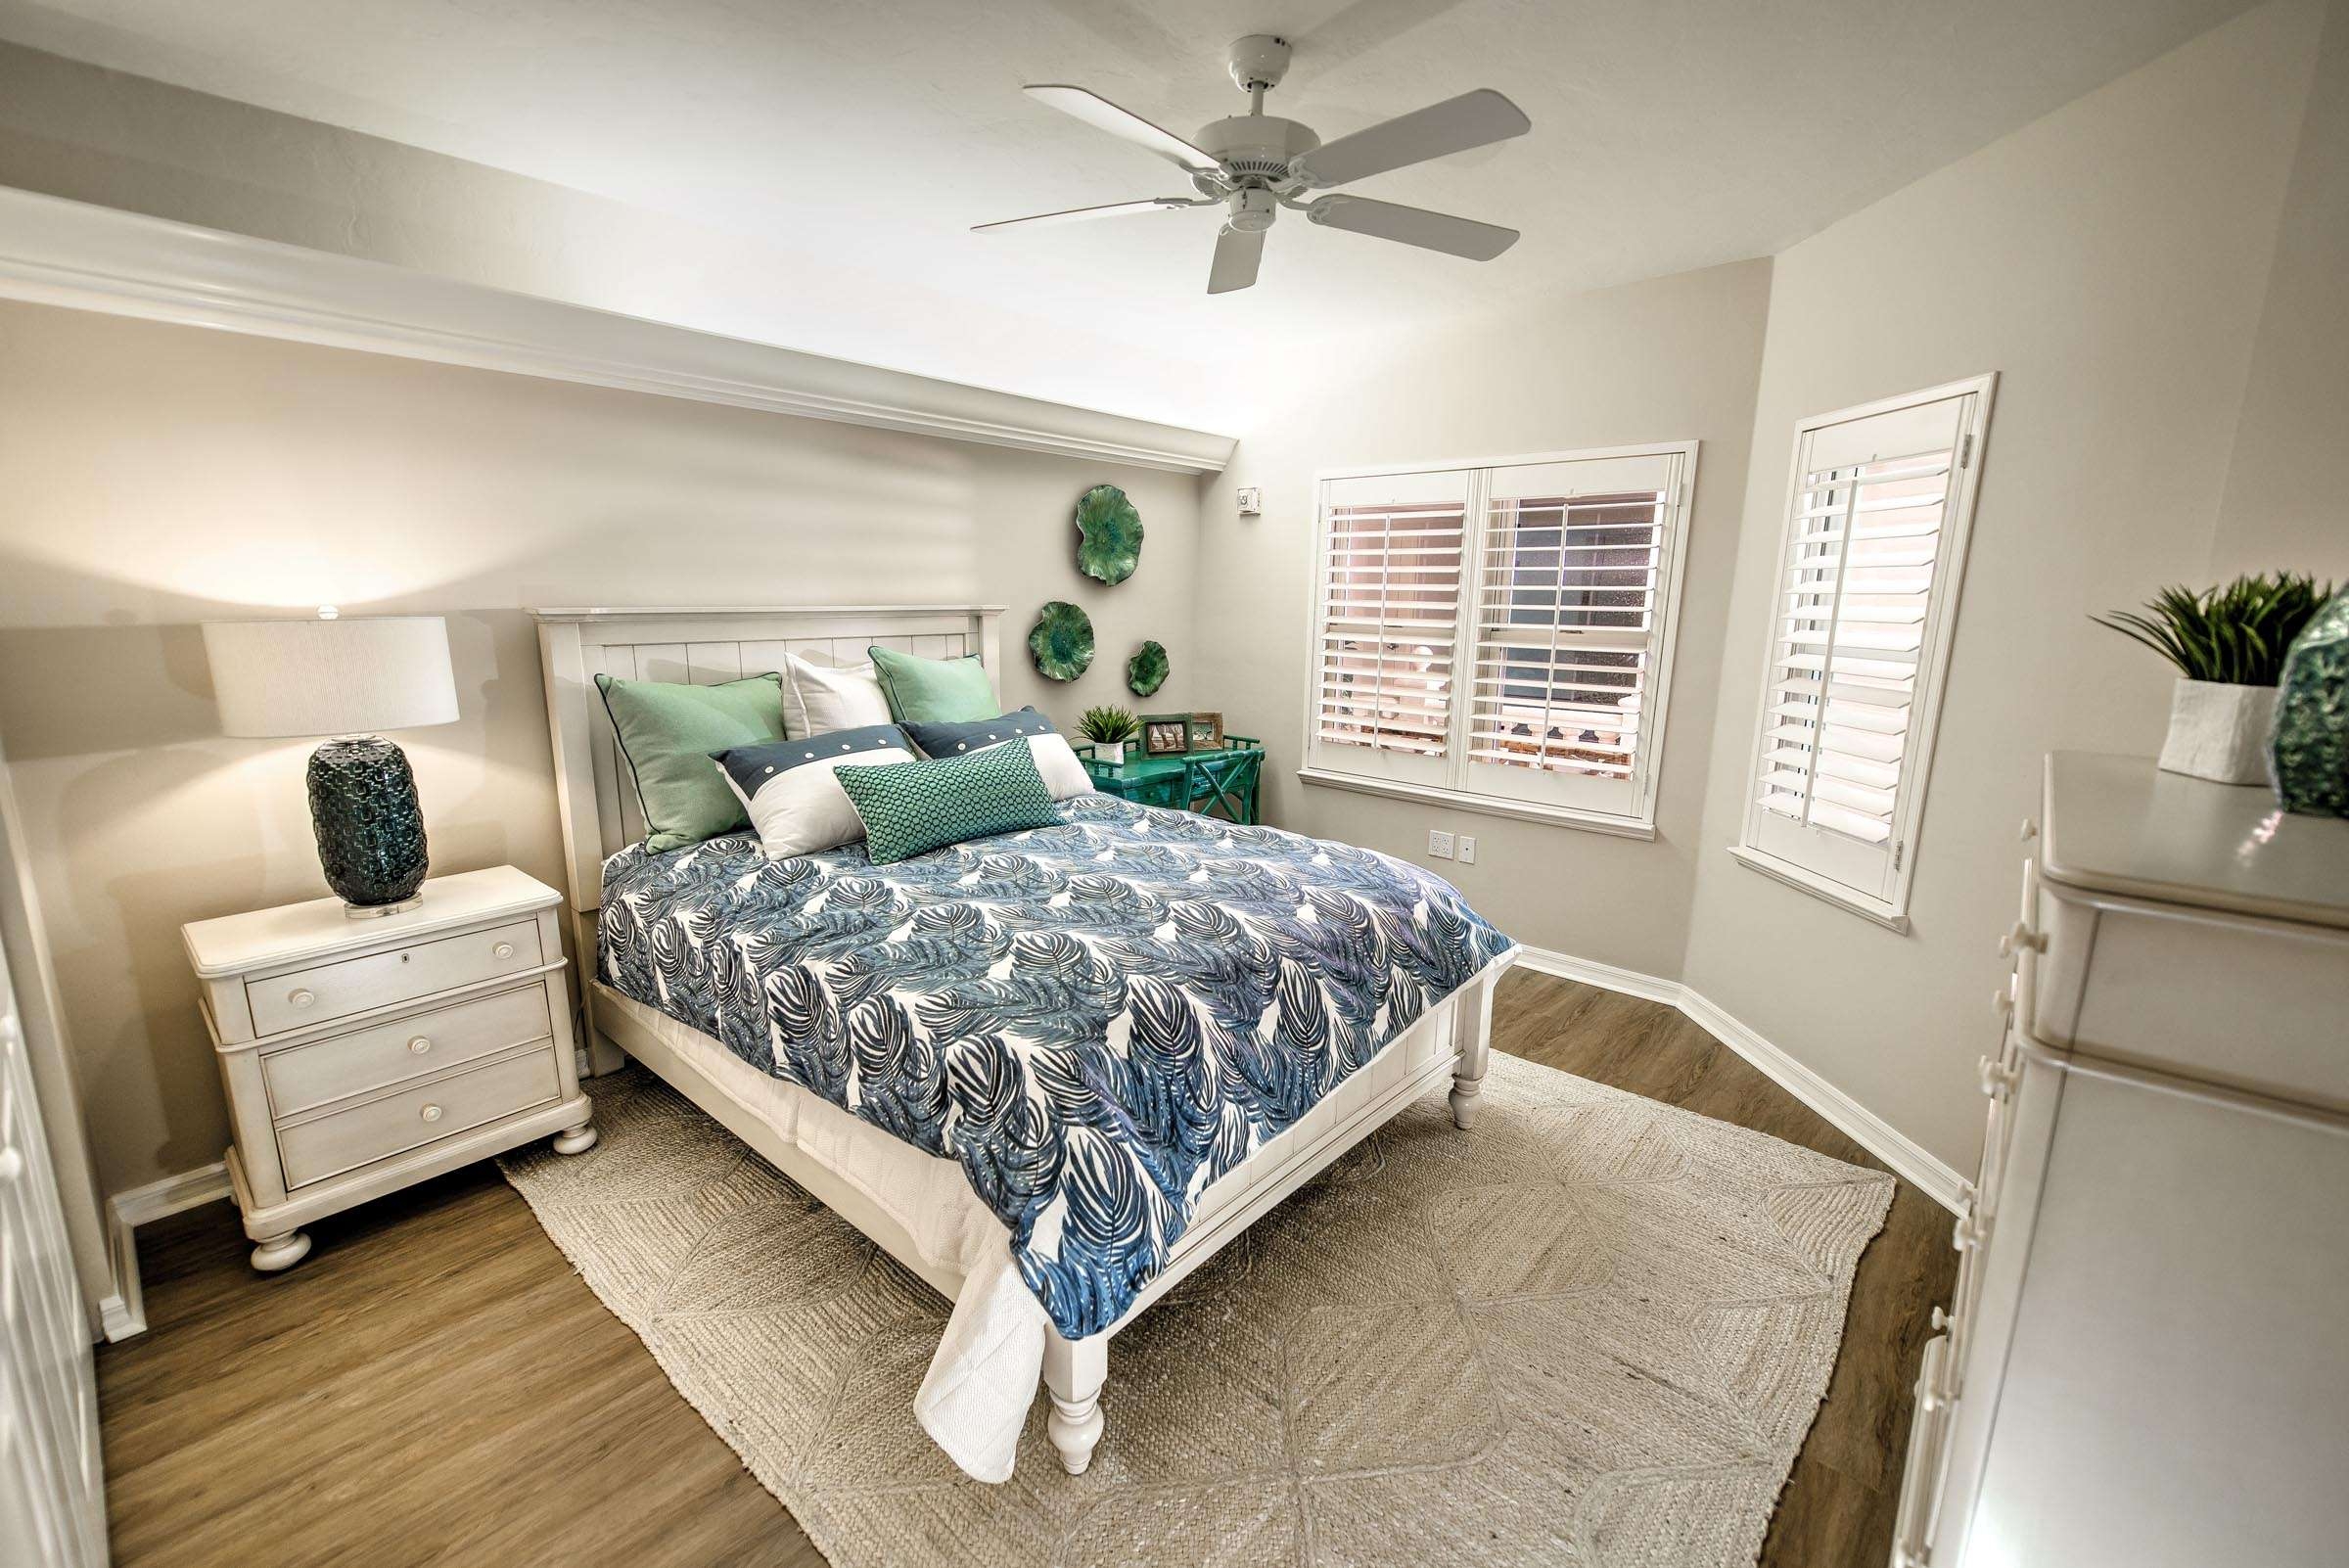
column 363, row 1055
column 2147, row 1360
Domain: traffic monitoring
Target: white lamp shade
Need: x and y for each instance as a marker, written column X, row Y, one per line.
column 331, row 677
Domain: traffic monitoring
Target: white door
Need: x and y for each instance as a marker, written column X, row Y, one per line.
column 52, row 1505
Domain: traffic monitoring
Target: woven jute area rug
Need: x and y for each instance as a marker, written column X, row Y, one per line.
column 1593, row 1330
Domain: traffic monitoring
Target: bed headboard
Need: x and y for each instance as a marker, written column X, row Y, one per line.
column 597, row 800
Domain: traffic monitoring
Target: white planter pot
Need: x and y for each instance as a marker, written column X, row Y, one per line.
column 2220, row 732
column 1111, row 751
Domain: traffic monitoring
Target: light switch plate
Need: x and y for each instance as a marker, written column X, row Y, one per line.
column 1251, row 500
column 1467, row 849
column 1438, row 844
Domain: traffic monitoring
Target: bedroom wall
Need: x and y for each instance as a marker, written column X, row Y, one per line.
column 159, row 476
column 2287, row 502
column 1667, row 359
column 2109, row 262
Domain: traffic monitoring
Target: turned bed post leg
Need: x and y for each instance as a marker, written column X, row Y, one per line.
column 1469, row 1078
column 1073, row 1373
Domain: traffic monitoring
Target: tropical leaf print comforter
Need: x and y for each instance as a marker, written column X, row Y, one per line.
column 1095, row 1020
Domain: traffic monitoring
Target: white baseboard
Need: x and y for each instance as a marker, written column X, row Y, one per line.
column 1905, row 1155
column 1606, row 977
column 122, row 1313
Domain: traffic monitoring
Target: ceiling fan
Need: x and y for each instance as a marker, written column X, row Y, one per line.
column 1256, row 163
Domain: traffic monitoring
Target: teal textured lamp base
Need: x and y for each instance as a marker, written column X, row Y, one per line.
column 369, row 825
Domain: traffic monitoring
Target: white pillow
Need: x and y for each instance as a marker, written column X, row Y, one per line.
column 789, row 791
column 819, row 699
column 1055, row 760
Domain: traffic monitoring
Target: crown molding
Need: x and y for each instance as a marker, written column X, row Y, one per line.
column 61, row 252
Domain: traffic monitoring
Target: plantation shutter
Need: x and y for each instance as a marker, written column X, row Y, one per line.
column 1389, row 620
column 1870, row 555
column 1566, row 618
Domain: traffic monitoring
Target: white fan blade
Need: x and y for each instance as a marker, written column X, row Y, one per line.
column 1472, row 119
column 1413, row 225
column 1081, row 214
column 1238, row 255
column 1098, row 111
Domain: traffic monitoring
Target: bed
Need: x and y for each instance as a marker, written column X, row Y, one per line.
column 1051, row 1073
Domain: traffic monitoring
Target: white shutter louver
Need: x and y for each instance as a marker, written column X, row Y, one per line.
column 1874, row 543
column 1389, row 615
column 1572, row 559
column 1517, row 656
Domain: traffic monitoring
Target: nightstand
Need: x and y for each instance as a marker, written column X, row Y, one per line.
column 1219, row 783
column 361, row 1056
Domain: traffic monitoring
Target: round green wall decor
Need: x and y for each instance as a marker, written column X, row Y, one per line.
column 1061, row 642
column 1109, row 535
column 1146, row 670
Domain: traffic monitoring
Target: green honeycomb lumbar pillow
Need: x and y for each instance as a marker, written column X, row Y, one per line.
column 910, row 809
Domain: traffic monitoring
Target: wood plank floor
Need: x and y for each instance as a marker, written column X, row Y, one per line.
column 434, row 1385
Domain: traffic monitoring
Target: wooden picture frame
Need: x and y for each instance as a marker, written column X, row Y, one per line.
column 1166, row 735
column 1207, row 732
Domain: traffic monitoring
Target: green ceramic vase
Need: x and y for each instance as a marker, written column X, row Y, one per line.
column 2308, row 759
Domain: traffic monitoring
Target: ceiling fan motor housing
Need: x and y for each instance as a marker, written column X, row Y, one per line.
column 1256, row 148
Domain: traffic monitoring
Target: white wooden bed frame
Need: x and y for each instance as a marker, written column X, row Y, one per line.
column 600, row 812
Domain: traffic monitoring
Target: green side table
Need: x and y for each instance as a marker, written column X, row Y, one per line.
column 1220, row 784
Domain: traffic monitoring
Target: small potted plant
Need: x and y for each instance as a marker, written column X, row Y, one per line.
column 1108, row 728
column 2229, row 644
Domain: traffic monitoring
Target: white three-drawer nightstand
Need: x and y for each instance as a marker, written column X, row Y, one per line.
column 361, row 1056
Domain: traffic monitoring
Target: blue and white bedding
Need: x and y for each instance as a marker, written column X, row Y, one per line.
column 1095, row 1019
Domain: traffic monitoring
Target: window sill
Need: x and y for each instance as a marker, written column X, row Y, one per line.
column 1622, row 827
column 1890, row 916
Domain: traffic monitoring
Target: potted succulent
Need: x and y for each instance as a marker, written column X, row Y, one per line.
column 2229, row 644
column 1109, row 729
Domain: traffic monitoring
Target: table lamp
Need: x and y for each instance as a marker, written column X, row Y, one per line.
column 345, row 680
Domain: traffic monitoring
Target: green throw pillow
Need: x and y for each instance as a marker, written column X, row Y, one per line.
column 912, row 807
column 670, row 733
column 934, row 691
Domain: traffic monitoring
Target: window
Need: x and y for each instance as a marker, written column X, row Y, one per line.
column 1864, row 605
column 1498, row 636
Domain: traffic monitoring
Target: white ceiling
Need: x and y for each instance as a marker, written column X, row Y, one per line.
column 856, row 142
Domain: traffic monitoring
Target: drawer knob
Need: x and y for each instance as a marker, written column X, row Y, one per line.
column 2022, row 938
column 2030, row 831
column 504, row 949
column 420, row 1044
column 1996, row 1080
column 301, row 996
column 432, row 1113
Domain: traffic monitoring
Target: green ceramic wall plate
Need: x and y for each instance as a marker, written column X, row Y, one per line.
column 1061, row 642
column 1109, row 535
column 1146, row 670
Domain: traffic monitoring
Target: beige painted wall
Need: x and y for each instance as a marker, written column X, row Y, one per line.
column 2287, row 502
column 2109, row 263
column 1668, row 359
column 161, row 475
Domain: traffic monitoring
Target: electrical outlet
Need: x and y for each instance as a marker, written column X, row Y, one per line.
column 1467, row 849
column 1438, row 844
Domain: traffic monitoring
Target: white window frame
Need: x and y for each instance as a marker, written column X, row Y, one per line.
column 1637, row 823
column 1941, row 623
